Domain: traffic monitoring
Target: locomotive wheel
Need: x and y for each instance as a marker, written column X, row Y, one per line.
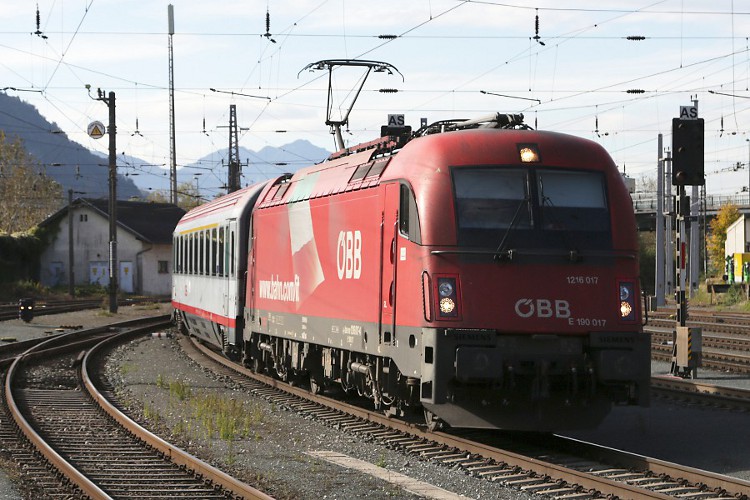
column 433, row 422
column 181, row 327
column 256, row 365
column 315, row 386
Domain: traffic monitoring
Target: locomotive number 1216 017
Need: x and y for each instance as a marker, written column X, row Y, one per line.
column 582, row 280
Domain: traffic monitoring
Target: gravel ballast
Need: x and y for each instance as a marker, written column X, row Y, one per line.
column 270, row 447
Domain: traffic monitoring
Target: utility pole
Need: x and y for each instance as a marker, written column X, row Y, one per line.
column 233, row 183
column 172, row 142
column 71, row 261
column 113, row 267
column 112, row 207
column 659, row 289
column 112, row 131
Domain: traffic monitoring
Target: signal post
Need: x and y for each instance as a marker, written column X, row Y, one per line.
column 687, row 170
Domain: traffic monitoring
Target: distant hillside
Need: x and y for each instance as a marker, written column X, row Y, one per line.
column 78, row 168
column 210, row 172
column 84, row 170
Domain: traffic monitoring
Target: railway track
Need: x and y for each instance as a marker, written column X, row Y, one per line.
column 42, row 308
column 101, row 455
column 558, row 467
column 705, row 394
column 725, row 339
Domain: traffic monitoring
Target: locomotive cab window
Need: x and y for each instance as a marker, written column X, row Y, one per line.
column 531, row 208
column 569, row 199
column 491, row 198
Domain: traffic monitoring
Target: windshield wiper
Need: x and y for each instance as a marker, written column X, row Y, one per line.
column 573, row 254
column 500, row 252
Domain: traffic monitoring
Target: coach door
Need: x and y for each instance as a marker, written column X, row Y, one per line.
column 388, row 232
column 230, row 263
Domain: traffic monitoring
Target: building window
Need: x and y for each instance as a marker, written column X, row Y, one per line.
column 163, row 267
column 84, row 217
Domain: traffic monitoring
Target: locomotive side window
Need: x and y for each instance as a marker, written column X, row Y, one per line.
column 568, row 200
column 491, row 198
column 408, row 223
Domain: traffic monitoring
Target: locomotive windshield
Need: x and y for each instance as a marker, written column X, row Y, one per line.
column 531, row 208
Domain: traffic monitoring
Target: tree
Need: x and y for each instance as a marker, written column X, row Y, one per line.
column 725, row 217
column 187, row 196
column 28, row 195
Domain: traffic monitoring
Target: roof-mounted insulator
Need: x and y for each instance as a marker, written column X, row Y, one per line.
column 38, row 31
column 268, row 27
column 536, row 29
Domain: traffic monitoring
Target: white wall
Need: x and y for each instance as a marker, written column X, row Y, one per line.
column 737, row 235
column 91, row 245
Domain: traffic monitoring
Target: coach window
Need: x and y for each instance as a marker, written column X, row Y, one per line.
column 206, row 252
column 212, row 268
column 178, row 262
column 199, row 262
column 408, row 222
column 182, row 254
column 188, row 253
column 197, row 256
column 204, row 264
column 220, row 265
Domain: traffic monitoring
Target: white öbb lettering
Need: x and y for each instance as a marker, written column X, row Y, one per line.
column 542, row 308
column 349, row 255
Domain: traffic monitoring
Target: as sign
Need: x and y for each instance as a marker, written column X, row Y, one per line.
column 688, row 112
column 396, row 120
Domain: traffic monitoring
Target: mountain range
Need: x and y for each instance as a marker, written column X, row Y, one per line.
column 75, row 167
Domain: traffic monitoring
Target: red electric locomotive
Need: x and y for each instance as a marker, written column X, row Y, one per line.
column 478, row 270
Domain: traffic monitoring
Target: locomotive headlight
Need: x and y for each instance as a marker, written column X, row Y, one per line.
column 447, row 305
column 445, row 289
column 625, row 309
column 627, row 297
column 529, row 153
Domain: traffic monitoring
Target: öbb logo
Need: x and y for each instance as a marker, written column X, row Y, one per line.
column 349, row 255
column 542, row 308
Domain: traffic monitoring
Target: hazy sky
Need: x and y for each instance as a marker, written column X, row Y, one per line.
column 577, row 80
